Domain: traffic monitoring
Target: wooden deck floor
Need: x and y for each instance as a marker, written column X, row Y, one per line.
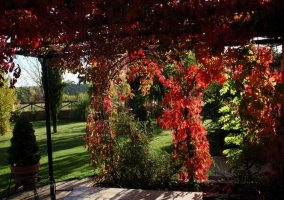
column 62, row 190
column 82, row 189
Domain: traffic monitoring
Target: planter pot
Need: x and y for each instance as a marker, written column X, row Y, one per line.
column 26, row 176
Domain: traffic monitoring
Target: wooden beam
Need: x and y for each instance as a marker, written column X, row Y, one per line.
column 269, row 41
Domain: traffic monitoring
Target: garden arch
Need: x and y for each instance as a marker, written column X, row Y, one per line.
column 86, row 30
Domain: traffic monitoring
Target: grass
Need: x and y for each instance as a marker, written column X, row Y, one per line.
column 70, row 158
column 162, row 139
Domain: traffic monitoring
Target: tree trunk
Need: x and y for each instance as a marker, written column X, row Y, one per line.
column 54, row 121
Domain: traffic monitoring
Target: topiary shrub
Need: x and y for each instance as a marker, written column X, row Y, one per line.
column 24, row 150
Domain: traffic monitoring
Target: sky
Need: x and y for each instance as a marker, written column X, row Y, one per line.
column 29, row 71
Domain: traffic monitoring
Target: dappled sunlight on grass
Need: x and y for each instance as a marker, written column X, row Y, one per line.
column 70, row 158
column 162, row 140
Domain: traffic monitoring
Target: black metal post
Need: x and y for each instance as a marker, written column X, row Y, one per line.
column 48, row 130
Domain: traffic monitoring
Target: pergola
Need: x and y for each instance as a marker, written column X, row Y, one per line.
column 77, row 31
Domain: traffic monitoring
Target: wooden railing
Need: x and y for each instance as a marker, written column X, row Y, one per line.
column 39, row 106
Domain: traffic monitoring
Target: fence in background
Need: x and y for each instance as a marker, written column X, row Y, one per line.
column 39, row 106
column 35, row 110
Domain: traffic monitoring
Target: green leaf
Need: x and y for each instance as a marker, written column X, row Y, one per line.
column 224, row 109
column 233, row 91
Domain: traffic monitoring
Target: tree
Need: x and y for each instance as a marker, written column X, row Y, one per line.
column 212, row 102
column 243, row 148
column 7, row 103
column 29, row 94
column 33, row 72
column 56, row 87
column 56, row 94
column 81, row 108
column 75, row 89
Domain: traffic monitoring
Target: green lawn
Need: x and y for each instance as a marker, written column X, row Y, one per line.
column 162, row 139
column 70, row 158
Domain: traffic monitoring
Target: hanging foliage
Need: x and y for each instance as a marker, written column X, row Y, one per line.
column 257, row 110
column 80, row 31
column 182, row 113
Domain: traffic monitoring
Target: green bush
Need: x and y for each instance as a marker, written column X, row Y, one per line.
column 139, row 166
column 142, row 167
column 81, row 108
column 7, row 103
column 24, row 150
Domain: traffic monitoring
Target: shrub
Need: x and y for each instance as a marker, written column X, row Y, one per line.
column 139, row 165
column 144, row 168
column 81, row 108
column 24, row 150
column 7, row 102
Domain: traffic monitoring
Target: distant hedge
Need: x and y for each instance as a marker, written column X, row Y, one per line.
column 34, row 94
column 75, row 89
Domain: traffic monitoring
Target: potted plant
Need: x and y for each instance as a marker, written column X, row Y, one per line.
column 23, row 154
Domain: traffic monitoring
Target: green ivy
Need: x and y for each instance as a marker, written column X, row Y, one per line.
column 243, row 147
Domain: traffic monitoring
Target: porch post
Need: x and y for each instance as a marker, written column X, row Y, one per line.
column 48, row 130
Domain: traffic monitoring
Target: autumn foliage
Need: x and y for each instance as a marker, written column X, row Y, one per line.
column 182, row 113
column 78, row 30
column 112, row 42
column 182, row 108
column 261, row 106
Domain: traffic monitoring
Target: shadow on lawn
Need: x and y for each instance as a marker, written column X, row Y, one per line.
column 69, row 137
column 4, row 177
column 170, row 148
column 4, row 141
column 64, row 166
column 156, row 129
column 42, row 123
column 62, row 143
